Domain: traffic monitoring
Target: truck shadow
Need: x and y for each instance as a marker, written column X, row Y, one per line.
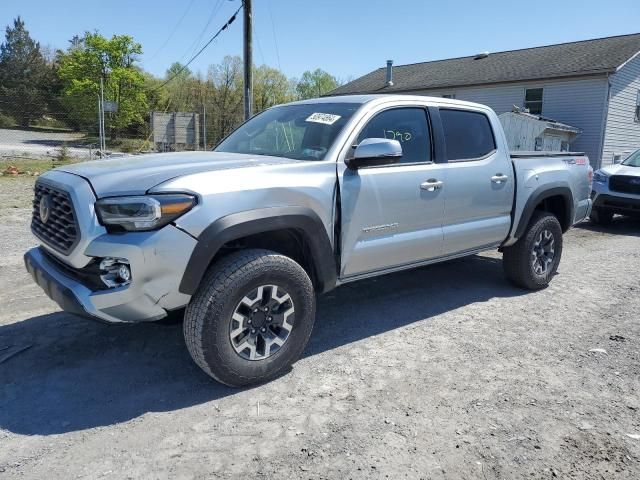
column 629, row 226
column 80, row 374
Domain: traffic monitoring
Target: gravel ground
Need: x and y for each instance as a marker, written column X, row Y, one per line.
column 34, row 144
column 442, row 372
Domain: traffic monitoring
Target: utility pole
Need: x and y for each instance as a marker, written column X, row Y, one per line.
column 204, row 125
column 100, row 124
column 248, row 61
column 103, row 142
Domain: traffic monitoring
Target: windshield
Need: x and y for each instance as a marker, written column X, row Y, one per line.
column 633, row 160
column 301, row 132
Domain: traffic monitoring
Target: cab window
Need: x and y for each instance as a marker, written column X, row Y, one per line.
column 468, row 135
column 409, row 126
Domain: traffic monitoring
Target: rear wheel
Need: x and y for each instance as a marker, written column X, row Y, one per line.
column 601, row 217
column 251, row 317
column 533, row 260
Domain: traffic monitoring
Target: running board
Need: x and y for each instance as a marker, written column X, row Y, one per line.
column 377, row 273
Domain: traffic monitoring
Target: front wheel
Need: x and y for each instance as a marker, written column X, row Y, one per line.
column 251, row 317
column 533, row 260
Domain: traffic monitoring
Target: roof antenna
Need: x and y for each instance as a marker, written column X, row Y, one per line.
column 389, row 73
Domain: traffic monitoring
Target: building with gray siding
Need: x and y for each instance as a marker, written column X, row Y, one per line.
column 593, row 85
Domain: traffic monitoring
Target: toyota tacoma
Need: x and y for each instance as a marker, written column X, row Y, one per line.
column 298, row 200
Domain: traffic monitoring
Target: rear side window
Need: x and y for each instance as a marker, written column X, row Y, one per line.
column 406, row 125
column 468, row 135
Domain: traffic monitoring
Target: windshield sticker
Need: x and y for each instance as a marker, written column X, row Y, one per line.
column 326, row 118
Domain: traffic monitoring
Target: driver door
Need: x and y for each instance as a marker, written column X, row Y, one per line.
column 392, row 215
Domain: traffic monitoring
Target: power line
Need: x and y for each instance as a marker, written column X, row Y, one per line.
column 175, row 28
column 194, row 46
column 273, row 30
column 184, row 67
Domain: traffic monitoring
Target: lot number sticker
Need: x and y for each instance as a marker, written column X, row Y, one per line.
column 326, row 118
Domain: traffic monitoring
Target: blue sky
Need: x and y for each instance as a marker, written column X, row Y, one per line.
column 348, row 38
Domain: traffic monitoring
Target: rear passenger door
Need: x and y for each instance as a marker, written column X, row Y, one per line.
column 479, row 184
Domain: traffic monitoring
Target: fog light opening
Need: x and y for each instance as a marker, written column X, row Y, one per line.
column 115, row 272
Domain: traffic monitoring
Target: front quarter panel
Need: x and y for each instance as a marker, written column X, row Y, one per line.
column 223, row 193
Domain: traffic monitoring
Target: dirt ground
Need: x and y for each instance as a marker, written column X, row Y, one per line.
column 443, row 372
column 37, row 144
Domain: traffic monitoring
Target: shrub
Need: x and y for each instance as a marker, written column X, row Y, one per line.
column 6, row 121
column 62, row 154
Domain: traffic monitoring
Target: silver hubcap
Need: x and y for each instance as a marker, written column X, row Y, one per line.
column 262, row 322
column 543, row 252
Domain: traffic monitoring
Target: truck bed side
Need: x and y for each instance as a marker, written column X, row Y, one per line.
column 558, row 182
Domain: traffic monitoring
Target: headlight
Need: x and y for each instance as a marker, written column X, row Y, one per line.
column 600, row 177
column 145, row 212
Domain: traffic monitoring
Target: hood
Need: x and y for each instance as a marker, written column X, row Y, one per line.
column 621, row 170
column 135, row 175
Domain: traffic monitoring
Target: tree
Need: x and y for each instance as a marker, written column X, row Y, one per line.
column 114, row 60
column 24, row 76
column 226, row 104
column 270, row 87
column 315, row 84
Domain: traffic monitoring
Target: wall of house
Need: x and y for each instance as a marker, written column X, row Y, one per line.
column 579, row 102
column 622, row 132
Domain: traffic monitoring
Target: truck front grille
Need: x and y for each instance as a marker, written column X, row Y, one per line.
column 53, row 220
column 624, row 184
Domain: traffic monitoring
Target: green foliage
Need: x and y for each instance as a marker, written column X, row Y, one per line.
column 315, row 84
column 270, row 87
column 94, row 57
column 6, row 121
column 50, row 123
column 62, row 154
column 59, row 89
column 24, row 76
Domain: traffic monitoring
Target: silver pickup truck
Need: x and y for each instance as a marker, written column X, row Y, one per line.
column 300, row 199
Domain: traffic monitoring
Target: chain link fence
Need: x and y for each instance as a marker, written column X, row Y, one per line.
column 59, row 135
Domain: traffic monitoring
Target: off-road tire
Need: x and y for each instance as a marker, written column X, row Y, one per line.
column 517, row 259
column 601, row 217
column 208, row 316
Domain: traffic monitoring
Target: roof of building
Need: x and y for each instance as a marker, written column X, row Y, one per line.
column 587, row 57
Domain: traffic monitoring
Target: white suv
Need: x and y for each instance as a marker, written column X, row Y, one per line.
column 616, row 189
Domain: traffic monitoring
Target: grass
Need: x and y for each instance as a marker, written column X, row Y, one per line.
column 30, row 167
column 126, row 145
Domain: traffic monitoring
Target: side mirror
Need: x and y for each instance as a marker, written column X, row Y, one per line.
column 374, row 152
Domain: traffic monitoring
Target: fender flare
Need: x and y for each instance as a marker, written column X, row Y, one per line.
column 540, row 194
column 251, row 222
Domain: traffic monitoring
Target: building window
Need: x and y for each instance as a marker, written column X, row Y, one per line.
column 538, row 144
column 637, row 117
column 449, row 95
column 533, row 100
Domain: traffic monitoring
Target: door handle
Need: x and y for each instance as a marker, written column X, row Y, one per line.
column 499, row 178
column 431, row 185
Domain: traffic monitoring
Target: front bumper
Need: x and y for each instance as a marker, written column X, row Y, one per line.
column 157, row 261
column 616, row 202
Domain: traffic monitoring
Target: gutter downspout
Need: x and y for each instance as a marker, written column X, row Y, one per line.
column 605, row 118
